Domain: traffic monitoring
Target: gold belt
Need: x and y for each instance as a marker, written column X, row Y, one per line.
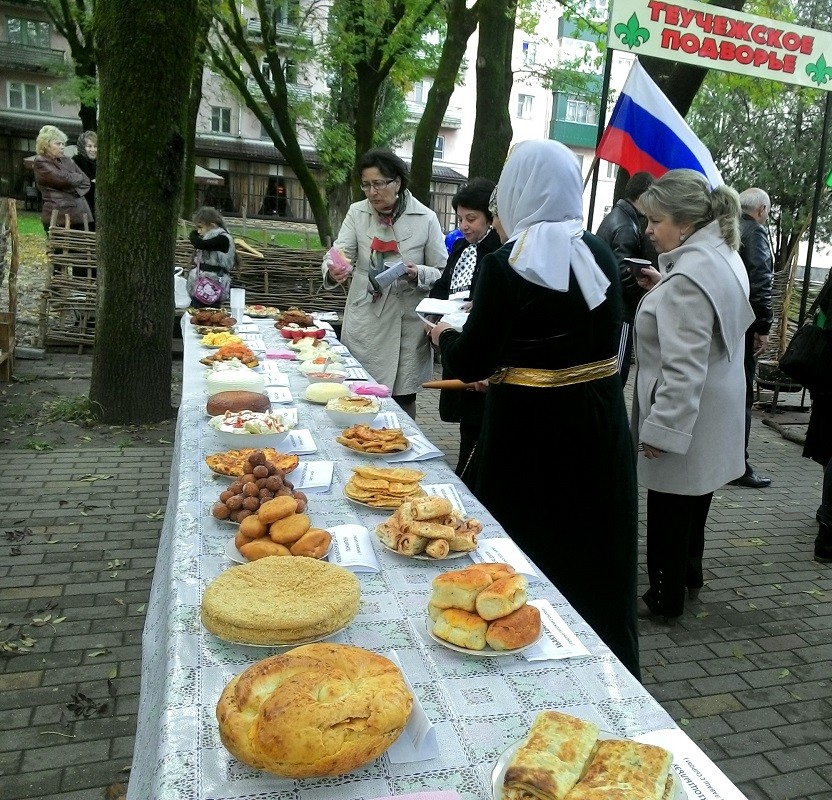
column 547, row 378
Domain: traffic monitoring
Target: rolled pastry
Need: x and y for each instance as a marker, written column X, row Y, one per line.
column 462, row 542
column 411, row 545
column 438, row 548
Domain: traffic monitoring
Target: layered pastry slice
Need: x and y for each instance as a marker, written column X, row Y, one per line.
column 552, row 759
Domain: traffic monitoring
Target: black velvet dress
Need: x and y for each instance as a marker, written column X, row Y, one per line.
column 555, row 466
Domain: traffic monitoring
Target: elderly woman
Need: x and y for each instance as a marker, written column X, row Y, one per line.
column 459, row 278
column 688, row 405
column 61, row 183
column 381, row 327
column 87, row 160
column 545, row 324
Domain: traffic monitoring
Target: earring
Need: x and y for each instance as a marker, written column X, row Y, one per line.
column 682, row 237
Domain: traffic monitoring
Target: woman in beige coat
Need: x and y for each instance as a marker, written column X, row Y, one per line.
column 381, row 327
column 688, row 412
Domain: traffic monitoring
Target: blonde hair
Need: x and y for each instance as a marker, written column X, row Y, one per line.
column 48, row 135
column 686, row 197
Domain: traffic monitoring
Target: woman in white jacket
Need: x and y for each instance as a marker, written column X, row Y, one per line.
column 381, row 327
column 688, row 401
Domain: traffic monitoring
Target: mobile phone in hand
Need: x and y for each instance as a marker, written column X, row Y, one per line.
column 636, row 265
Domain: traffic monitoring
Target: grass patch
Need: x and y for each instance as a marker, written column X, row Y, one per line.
column 38, row 445
column 29, row 224
column 77, row 409
column 18, row 412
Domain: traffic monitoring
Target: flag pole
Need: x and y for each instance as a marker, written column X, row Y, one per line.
column 602, row 121
column 819, row 181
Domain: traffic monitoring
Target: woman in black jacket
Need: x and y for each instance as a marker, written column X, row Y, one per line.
column 86, row 159
column 458, row 279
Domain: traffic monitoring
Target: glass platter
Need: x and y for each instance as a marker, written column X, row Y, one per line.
column 498, row 772
column 487, row 653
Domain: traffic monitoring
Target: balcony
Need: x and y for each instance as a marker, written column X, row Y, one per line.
column 452, row 118
column 573, row 134
column 284, row 33
column 295, row 90
column 25, row 58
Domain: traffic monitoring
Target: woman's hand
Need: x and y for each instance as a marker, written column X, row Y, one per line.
column 648, row 278
column 337, row 274
column 651, row 452
column 412, row 271
column 480, row 386
column 437, row 331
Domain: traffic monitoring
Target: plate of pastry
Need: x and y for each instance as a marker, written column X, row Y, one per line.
column 237, row 557
column 594, row 762
column 486, row 652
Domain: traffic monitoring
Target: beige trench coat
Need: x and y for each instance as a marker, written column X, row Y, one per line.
column 387, row 336
column 689, row 397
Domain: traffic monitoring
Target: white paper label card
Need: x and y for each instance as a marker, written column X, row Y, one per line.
column 558, row 639
column 313, row 475
column 357, row 374
column 393, row 271
column 506, row 551
column 418, row 740
column 386, row 419
column 300, row 442
column 324, row 315
column 276, row 378
column 279, row 394
column 246, row 327
column 353, row 548
column 449, row 492
column 432, row 305
column 253, row 340
column 421, row 449
column 349, row 361
column 340, row 349
column 289, row 415
column 700, row 778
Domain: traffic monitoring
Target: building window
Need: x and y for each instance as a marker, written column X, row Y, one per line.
column 529, row 52
column 29, row 97
column 439, row 148
column 419, row 93
column 524, row 106
column 28, row 32
column 612, row 169
column 220, row 119
column 580, row 111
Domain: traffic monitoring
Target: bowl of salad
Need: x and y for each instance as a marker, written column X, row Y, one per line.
column 251, row 428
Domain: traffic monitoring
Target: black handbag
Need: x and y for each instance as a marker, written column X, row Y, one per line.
column 808, row 358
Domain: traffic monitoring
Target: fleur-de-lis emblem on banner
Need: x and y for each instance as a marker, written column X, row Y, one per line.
column 819, row 72
column 631, row 34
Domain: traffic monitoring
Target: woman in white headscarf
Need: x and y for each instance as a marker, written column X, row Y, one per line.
column 555, row 464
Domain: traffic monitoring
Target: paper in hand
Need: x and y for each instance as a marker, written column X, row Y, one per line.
column 389, row 275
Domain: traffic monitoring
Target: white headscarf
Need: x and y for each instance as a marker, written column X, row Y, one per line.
column 539, row 200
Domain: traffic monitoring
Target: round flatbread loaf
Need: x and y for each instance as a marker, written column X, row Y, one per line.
column 278, row 600
column 321, row 709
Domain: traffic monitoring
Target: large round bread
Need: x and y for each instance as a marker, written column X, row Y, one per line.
column 321, row 709
column 237, row 400
column 278, row 600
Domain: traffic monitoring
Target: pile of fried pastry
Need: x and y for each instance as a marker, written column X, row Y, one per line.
column 374, row 440
column 563, row 759
column 384, row 487
column 429, row 525
column 484, row 604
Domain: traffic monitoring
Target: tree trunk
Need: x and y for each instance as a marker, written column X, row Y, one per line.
column 194, row 98
column 492, row 127
column 368, row 84
column 461, row 23
column 145, row 57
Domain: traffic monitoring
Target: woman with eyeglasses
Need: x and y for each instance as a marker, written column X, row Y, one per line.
column 389, row 227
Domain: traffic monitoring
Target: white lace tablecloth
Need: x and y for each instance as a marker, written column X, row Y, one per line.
column 479, row 706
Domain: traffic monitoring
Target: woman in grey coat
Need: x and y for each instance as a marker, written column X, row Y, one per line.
column 381, row 327
column 688, row 405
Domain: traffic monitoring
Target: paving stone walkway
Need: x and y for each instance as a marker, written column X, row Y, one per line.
column 747, row 672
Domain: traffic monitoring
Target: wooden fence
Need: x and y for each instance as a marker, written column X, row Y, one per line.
column 283, row 277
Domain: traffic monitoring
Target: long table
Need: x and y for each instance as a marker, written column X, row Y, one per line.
column 479, row 706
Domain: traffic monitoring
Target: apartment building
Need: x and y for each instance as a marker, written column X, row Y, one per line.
column 232, row 142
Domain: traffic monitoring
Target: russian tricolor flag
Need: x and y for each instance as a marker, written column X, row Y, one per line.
column 647, row 134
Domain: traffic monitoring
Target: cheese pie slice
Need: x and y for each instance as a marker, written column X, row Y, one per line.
column 552, row 759
column 624, row 770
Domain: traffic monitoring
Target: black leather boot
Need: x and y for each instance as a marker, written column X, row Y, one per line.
column 823, row 545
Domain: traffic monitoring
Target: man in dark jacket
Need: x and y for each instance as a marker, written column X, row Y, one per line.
column 756, row 255
column 622, row 229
